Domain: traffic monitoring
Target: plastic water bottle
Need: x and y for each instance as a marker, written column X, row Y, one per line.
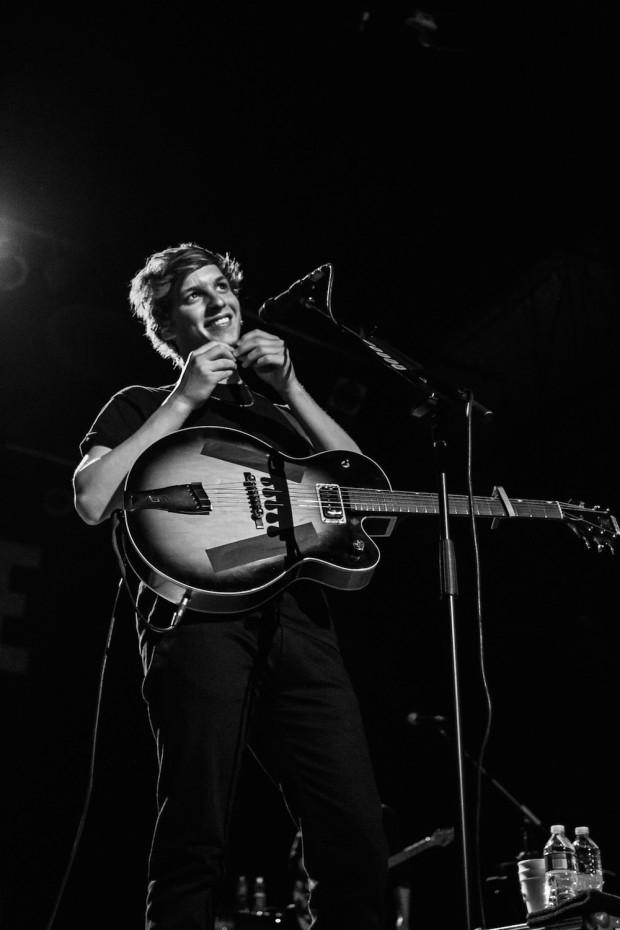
column 560, row 867
column 259, row 897
column 241, row 895
column 589, row 866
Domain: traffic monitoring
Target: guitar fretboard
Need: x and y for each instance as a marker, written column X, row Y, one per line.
column 402, row 502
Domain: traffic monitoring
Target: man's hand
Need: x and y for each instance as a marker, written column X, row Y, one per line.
column 100, row 475
column 269, row 357
column 204, row 368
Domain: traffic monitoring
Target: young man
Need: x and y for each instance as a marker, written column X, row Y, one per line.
column 277, row 666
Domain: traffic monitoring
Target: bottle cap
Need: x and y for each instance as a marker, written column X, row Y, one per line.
column 582, row 831
column 557, row 828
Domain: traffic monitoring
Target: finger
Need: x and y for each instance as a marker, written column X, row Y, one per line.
column 275, row 361
column 253, row 358
column 251, row 352
column 221, row 375
column 219, row 364
column 252, row 333
column 257, row 338
column 213, row 350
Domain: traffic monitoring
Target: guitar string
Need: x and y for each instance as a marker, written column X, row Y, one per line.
column 404, row 495
column 544, row 509
column 431, row 509
column 601, row 531
column 236, row 488
column 426, row 502
column 390, row 499
column 394, row 508
column 233, row 508
column 374, row 501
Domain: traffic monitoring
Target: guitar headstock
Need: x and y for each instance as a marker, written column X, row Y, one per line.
column 442, row 836
column 598, row 528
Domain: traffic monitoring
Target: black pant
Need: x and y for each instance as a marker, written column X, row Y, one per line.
column 202, row 684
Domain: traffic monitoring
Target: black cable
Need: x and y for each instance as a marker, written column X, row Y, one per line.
column 91, row 768
column 485, row 739
column 278, row 786
column 123, row 564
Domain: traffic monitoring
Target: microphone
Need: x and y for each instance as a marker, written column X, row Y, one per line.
column 414, row 719
column 300, row 292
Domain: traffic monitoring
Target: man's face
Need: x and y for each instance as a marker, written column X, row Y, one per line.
column 204, row 309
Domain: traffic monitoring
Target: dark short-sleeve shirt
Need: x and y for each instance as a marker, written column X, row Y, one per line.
column 127, row 410
column 233, row 406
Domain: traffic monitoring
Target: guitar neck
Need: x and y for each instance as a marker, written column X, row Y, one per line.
column 409, row 852
column 398, row 503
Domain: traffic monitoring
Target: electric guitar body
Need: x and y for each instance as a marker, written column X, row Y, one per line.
column 255, row 519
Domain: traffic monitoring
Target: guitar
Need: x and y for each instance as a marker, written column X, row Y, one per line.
column 220, row 521
column 440, row 837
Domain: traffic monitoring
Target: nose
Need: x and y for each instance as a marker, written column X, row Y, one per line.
column 215, row 300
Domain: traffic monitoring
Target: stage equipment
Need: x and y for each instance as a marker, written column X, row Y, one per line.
column 530, row 819
column 314, row 292
column 436, row 399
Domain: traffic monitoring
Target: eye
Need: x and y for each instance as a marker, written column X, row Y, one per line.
column 222, row 285
column 191, row 296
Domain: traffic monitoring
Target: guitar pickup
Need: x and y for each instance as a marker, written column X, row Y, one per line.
column 330, row 502
column 177, row 498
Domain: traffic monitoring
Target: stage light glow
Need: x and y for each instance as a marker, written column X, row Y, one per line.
column 14, row 268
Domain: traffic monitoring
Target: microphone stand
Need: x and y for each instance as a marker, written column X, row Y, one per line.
column 530, row 819
column 448, row 585
column 436, row 397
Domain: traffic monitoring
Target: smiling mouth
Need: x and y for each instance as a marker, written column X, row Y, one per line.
column 221, row 320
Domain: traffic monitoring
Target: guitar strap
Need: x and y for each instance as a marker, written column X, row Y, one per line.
column 284, row 409
column 239, row 394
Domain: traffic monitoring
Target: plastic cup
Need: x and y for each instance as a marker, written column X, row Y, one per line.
column 534, row 892
column 533, row 885
column 531, row 867
column 536, row 866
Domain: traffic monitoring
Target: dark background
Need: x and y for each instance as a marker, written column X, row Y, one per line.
column 464, row 185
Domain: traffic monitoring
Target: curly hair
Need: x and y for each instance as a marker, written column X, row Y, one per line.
column 153, row 288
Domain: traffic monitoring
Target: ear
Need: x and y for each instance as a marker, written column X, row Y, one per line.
column 167, row 332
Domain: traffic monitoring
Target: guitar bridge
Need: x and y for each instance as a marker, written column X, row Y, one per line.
column 256, row 507
column 177, row 498
column 330, row 502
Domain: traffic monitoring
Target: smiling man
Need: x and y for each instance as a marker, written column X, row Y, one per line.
column 277, row 669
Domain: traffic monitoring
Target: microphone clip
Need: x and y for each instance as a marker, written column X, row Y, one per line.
column 313, row 292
